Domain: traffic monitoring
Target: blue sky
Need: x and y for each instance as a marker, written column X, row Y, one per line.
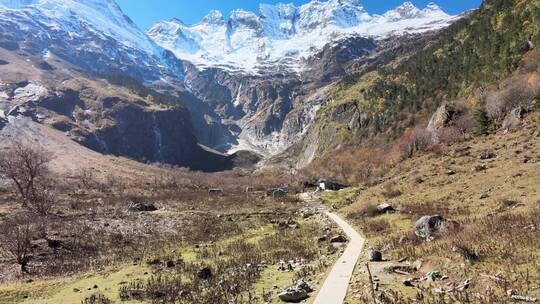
column 145, row 13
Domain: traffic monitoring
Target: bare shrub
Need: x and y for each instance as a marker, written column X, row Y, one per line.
column 517, row 91
column 353, row 164
column 390, row 190
column 16, row 235
column 26, row 167
column 457, row 132
column 97, row 298
column 376, row 226
column 411, row 142
column 368, row 209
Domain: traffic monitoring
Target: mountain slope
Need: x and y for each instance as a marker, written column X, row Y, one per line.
column 459, row 62
column 92, row 34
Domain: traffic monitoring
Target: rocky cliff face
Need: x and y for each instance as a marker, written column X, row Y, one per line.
column 113, row 120
column 267, row 113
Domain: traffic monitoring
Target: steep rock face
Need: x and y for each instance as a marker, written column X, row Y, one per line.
column 330, row 128
column 117, row 123
column 162, row 135
column 267, row 113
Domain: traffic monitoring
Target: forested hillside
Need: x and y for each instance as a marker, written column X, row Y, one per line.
column 472, row 53
column 475, row 64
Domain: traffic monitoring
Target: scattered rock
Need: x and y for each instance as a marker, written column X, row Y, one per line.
column 408, row 282
column 464, row 285
column 141, row 207
column 338, row 239
column 323, row 238
column 293, row 296
column 204, row 273
column 450, row 172
column 76, row 290
column 521, row 298
column 302, row 285
column 297, row 293
column 513, row 120
column 531, row 160
column 375, row 256
column 385, row 208
column 486, row 154
column 290, row 223
column 430, row 225
column 480, row 168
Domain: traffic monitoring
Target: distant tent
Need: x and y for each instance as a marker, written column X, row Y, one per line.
column 276, row 192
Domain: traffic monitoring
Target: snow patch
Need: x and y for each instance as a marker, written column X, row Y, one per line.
column 30, row 93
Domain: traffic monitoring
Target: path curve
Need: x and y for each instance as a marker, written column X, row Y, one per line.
column 334, row 289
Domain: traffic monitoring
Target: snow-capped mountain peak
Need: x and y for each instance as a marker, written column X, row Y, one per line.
column 433, row 7
column 105, row 16
column 215, row 17
column 284, row 32
column 405, row 11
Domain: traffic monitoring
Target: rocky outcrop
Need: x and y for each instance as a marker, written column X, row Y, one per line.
column 513, row 120
column 442, row 118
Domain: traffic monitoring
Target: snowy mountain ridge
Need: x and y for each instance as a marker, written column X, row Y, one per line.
column 105, row 16
column 286, row 34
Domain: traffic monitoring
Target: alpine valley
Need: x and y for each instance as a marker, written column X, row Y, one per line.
column 311, row 153
column 245, row 82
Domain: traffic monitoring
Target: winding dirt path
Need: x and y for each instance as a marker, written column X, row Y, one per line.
column 334, row 289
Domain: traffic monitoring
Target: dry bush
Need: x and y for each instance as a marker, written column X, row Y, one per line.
column 531, row 61
column 420, row 209
column 412, row 141
column 517, row 91
column 390, row 190
column 97, row 298
column 458, row 130
column 353, row 164
column 368, row 209
column 374, row 227
column 16, row 235
column 235, row 266
column 26, row 167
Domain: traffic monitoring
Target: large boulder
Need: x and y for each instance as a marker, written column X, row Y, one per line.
column 429, row 226
column 292, row 295
column 141, row 207
column 204, row 273
column 299, row 292
column 338, row 239
column 442, row 118
column 512, row 121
